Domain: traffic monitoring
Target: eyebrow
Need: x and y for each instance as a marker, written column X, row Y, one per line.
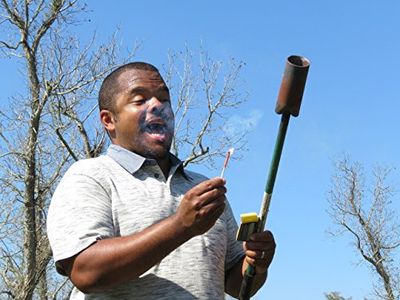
column 140, row 90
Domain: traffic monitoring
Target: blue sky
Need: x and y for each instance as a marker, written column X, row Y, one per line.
column 350, row 106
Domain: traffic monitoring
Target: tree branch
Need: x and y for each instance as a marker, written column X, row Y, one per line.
column 15, row 18
column 10, row 47
column 65, row 144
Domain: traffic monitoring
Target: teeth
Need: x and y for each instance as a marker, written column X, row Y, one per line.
column 155, row 128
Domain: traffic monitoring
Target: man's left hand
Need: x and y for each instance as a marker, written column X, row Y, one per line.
column 260, row 250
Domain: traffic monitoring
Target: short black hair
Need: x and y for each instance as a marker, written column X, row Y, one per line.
column 110, row 85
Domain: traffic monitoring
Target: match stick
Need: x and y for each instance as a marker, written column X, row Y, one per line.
column 228, row 155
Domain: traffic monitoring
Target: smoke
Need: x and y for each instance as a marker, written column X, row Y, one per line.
column 239, row 125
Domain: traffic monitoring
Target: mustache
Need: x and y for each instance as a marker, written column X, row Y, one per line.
column 163, row 119
column 163, row 113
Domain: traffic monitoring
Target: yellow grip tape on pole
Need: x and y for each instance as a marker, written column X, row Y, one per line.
column 248, row 218
column 247, row 227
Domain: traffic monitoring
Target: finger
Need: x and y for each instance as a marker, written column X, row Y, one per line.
column 253, row 254
column 211, row 196
column 261, row 240
column 260, row 259
column 260, row 265
column 214, row 208
column 260, row 254
column 259, row 246
column 264, row 236
column 207, row 185
column 217, row 212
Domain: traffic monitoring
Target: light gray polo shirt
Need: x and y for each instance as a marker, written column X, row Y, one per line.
column 122, row 193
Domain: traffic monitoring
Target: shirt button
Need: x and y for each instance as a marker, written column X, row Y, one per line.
column 156, row 175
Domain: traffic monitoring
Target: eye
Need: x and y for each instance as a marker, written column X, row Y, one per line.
column 163, row 96
column 139, row 101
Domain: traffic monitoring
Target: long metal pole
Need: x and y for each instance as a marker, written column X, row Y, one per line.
column 245, row 289
column 289, row 102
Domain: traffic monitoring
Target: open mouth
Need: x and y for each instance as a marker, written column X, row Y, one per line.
column 155, row 128
column 156, row 131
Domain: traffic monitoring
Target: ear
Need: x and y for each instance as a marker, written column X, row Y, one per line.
column 108, row 119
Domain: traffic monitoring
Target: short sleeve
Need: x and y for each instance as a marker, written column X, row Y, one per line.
column 80, row 213
column 235, row 250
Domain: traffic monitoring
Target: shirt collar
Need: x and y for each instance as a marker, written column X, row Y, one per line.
column 132, row 162
column 129, row 160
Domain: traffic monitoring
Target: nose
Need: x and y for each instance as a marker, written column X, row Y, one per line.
column 155, row 104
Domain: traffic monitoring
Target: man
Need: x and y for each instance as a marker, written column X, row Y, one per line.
column 133, row 224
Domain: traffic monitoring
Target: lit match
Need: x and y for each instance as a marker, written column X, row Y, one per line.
column 228, row 156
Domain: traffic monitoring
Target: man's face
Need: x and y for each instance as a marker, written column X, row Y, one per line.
column 143, row 117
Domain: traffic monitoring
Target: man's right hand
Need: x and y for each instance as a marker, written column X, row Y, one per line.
column 201, row 206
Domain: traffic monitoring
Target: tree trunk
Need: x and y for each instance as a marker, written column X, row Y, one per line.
column 30, row 209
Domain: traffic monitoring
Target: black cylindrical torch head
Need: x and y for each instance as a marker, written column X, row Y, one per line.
column 292, row 86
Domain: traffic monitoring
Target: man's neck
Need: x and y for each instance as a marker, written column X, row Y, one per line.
column 165, row 165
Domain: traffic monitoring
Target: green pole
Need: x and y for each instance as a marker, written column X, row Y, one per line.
column 245, row 289
column 289, row 102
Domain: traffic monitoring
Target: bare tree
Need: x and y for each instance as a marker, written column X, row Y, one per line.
column 364, row 211
column 204, row 94
column 51, row 123
column 42, row 132
column 335, row 296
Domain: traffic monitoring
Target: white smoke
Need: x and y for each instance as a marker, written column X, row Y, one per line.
column 239, row 125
